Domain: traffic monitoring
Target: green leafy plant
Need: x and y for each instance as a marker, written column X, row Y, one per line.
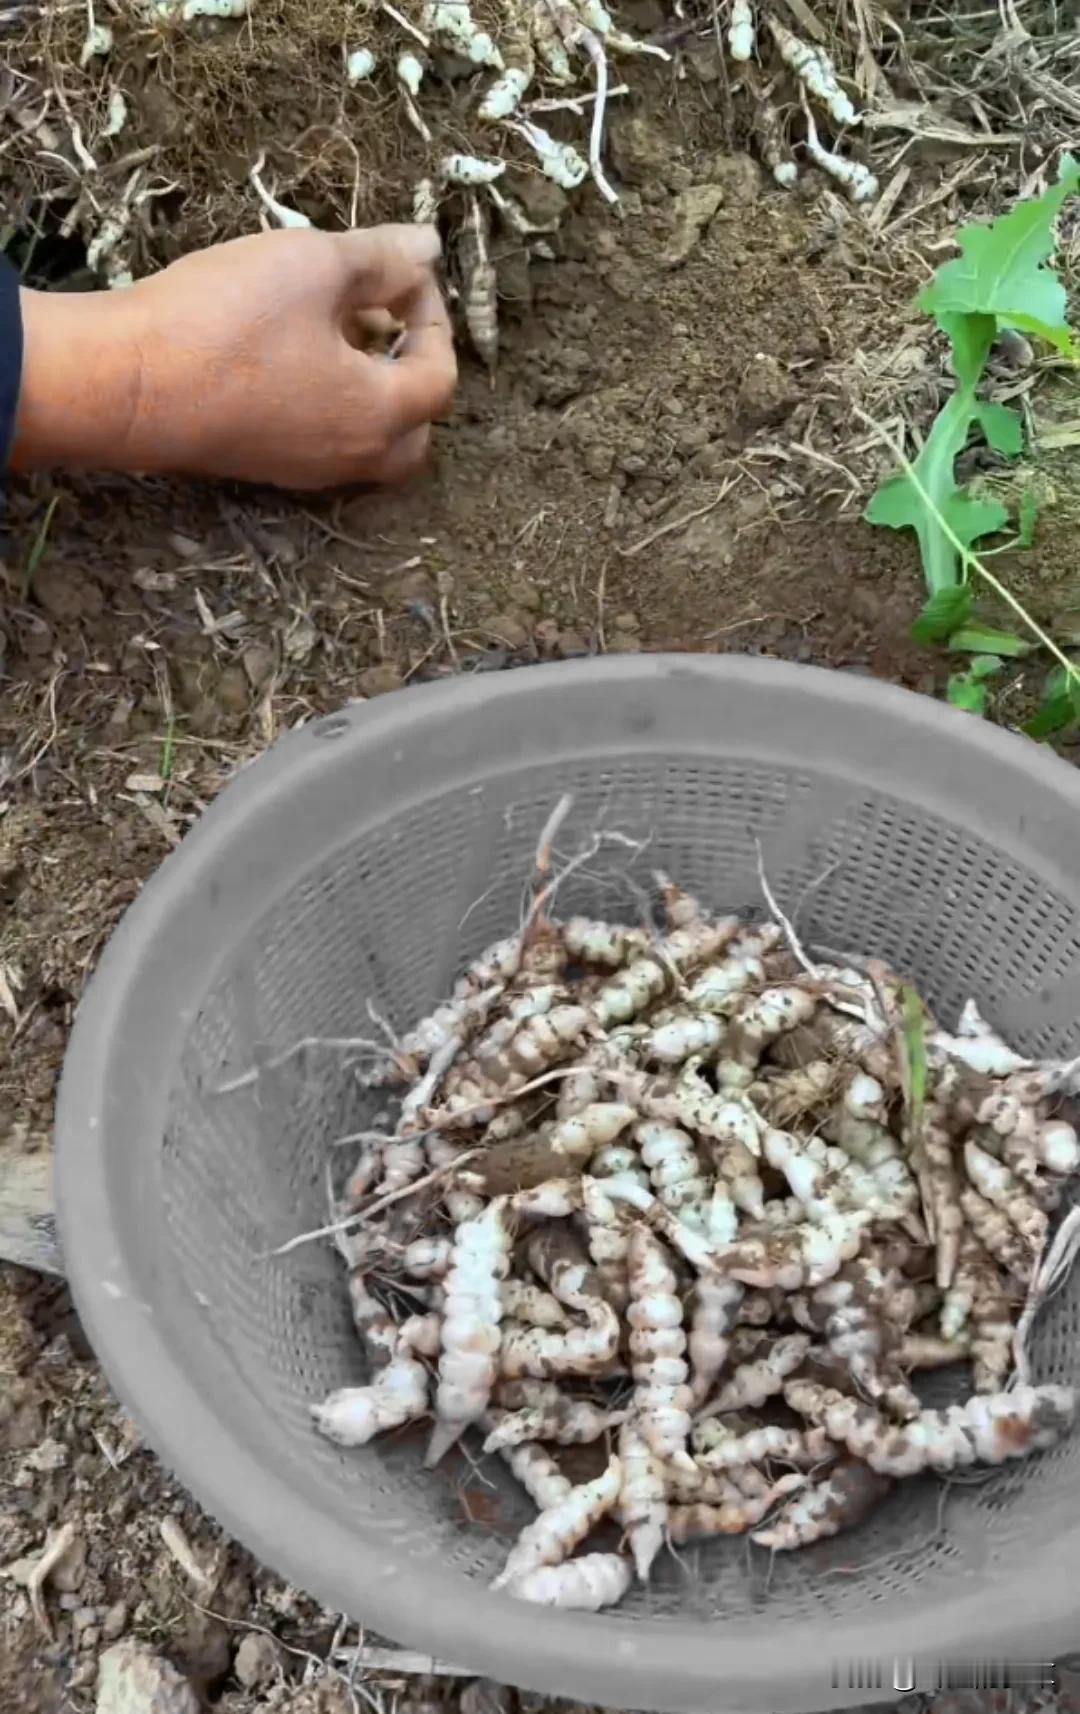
column 999, row 280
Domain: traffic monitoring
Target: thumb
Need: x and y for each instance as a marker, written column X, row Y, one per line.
column 385, row 264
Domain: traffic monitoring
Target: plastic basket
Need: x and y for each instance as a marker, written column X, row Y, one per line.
column 365, row 858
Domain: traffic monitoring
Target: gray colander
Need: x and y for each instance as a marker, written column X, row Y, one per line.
column 365, row 858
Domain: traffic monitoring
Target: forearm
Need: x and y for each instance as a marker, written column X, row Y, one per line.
column 79, row 384
column 11, row 355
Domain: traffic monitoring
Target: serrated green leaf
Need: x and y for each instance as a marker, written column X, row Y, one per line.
column 1027, row 514
column 1002, row 426
column 987, row 640
column 1055, row 714
column 898, row 504
column 965, row 691
column 942, row 614
column 1000, row 271
column 971, row 518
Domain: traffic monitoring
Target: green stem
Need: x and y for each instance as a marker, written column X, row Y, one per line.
column 969, row 560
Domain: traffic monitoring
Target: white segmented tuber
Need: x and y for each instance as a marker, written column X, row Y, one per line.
column 795, row 1256
column 686, row 1035
column 988, row 1428
column 763, row 1378
column 595, row 16
column 469, row 170
column 354, row 1415
column 642, row 1504
column 815, row 70
column 837, row 1501
column 410, row 71
column 732, row 1517
column 992, row 1228
column 568, row 1422
column 934, row 1161
column 97, row 43
column 522, row 1301
column 607, row 945
column 674, row 1169
column 451, row 22
column 587, row 1584
column 652, row 1155
column 553, row 1536
column 359, row 65
column 505, row 95
column 558, row 161
column 662, row 1397
column 1058, row 1147
column 716, row 988
column 427, row 1258
column 480, row 303
column 549, row 44
column 857, row 179
column 715, row 1308
column 538, row 1473
column 993, row 1180
column 742, row 37
column 470, row 1335
column 588, row 1349
column 421, row 1334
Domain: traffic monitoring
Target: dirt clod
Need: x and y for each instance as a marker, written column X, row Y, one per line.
column 133, row 1679
column 767, row 392
column 379, row 680
column 258, row 1660
column 692, row 211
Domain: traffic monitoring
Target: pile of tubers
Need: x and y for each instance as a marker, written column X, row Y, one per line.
column 684, row 1196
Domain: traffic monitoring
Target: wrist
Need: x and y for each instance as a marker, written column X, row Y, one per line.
column 80, row 382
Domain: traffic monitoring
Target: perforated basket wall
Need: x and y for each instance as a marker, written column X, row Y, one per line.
column 364, row 860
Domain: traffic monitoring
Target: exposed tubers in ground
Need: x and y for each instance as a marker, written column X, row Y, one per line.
column 655, row 1195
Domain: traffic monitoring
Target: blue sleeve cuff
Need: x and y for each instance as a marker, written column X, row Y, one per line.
column 11, row 355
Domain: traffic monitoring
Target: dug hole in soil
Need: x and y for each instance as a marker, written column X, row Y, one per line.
column 663, row 462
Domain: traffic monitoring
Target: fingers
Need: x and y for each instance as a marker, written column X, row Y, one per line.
column 384, row 265
column 402, row 459
column 419, row 384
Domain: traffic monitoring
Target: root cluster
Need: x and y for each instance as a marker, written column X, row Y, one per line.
column 676, row 1193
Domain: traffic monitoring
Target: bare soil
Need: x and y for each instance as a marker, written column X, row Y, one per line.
column 666, row 460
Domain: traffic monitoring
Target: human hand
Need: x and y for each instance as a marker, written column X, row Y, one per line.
column 236, row 362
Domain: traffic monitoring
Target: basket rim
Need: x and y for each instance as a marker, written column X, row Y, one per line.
column 637, row 1662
